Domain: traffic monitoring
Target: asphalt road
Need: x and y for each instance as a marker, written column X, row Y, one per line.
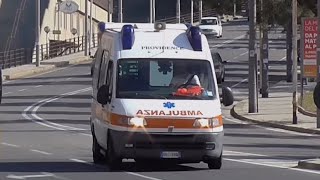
column 44, row 130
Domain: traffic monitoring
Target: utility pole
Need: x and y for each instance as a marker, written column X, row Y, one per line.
column 154, row 11
column 318, row 61
column 37, row 33
column 86, row 29
column 90, row 31
column 294, row 70
column 120, row 13
column 253, row 96
column 151, row 13
column 265, row 53
column 234, row 8
column 200, row 10
column 178, row 12
column 191, row 20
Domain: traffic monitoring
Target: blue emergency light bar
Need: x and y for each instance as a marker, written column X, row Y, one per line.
column 127, row 35
column 102, row 26
column 194, row 37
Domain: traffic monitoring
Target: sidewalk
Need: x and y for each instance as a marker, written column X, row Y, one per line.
column 276, row 112
column 45, row 66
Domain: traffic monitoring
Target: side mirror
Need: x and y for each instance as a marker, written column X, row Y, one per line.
column 227, row 96
column 224, row 62
column 316, row 95
column 103, row 95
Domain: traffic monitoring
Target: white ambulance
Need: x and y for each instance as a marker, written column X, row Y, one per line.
column 155, row 96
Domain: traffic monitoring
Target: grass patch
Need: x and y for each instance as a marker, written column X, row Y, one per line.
column 308, row 103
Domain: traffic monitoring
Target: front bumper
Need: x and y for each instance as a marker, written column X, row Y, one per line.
column 192, row 147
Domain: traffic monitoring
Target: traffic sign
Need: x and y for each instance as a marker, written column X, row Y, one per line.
column 68, row 7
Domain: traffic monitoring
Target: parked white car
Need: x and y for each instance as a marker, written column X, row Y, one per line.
column 211, row 26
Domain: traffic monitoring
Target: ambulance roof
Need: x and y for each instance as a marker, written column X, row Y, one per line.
column 145, row 40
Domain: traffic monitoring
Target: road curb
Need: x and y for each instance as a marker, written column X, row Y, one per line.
column 273, row 125
column 305, row 112
column 313, row 164
column 48, row 66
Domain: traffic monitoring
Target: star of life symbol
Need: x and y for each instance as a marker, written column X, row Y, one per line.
column 168, row 105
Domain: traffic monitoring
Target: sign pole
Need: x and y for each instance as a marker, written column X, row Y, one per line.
column 318, row 61
column 302, row 60
column 295, row 76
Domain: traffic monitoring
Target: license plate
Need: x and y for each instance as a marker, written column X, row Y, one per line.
column 170, row 154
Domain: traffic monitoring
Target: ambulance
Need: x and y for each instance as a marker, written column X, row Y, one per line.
column 155, row 96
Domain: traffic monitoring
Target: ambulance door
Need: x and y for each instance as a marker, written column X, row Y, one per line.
column 100, row 124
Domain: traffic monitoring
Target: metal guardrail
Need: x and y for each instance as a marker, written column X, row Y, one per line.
column 57, row 48
column 186, row 18
column 15, row 58
column 50, row 50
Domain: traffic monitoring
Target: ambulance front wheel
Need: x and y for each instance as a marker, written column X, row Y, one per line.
column 215, row 163
column 98, row 157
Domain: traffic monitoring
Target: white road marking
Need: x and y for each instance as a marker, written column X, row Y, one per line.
column 7, row 93
column 22, row 90
column 143, row 176
column 11, row 145
column 228, row 41
column 131, row 173
column 44, row 174
column 242, row 54
column 235, row 85
column 41, row 152
column 38, row 86
column 290, row 164
column 80, row 161
column 271, row 129
column 35, row 118
column 69, row 78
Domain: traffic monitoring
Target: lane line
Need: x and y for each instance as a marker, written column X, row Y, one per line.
column 41, row 152
column 127, row 172
column 143, row 176
column 22, row 90
column 68, row 79
column 7, row 93
column 81, row 161
column 274, row 166
column 11, row 145
column 38, row 86
column 235, row 85
column 228, row 41
column 36, row 119
column 42, row 175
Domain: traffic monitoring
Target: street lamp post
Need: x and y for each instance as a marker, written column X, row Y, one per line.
column 47, row 30
column 37, row 32
column 191, row 20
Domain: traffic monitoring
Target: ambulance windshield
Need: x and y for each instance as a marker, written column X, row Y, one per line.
column 165, row 79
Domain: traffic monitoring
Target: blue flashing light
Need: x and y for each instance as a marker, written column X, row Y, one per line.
column 102, row 26
column 127, row 33
column 194, row 37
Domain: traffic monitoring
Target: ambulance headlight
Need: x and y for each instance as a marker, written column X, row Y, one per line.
column 194, row 37
column 137, row 122
column 127, row 33
column 207, row 122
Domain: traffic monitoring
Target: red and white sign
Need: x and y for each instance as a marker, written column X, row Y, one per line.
column 310, row 33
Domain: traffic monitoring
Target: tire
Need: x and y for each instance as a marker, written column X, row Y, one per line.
column 114, row 162
column 215, row 163
column 98, row 157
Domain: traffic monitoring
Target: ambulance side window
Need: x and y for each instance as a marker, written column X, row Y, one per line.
column 109, row 77
column 103, row 69
column 96, row 72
